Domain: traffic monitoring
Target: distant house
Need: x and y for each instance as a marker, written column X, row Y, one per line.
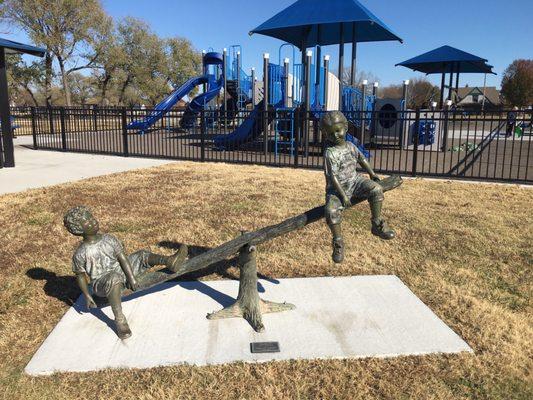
column 472, row 95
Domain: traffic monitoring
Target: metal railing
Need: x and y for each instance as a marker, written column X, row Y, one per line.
column 484, row 146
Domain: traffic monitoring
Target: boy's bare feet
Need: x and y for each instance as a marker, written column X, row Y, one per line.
column 177, row 259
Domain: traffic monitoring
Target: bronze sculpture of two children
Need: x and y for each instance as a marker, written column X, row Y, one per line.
column 100, row 260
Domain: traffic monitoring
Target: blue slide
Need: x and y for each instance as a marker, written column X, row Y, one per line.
column 250, row 129
column 198, row 103
column 166, row 105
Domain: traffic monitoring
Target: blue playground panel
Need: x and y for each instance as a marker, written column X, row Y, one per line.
column 426, row 132
column 13, row 125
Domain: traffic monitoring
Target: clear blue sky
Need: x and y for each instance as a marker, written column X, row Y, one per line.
column 498, row 30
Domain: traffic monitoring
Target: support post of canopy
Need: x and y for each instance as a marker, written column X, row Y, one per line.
column 457, row 82
column 341, row 65
column 442, row 83
column 307, row 117
column 450, row 86
column 225, row 80
column 266, row 96
column 254, row 88
column 7, row 133
column 354, row 56
column 326, row 81
column 484, row 87
column 286, row 86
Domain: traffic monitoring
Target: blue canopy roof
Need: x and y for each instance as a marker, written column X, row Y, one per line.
column 447, row 59
column 20, row 48
column 310, row 23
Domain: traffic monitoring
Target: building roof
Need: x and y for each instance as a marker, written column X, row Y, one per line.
column 491, row 93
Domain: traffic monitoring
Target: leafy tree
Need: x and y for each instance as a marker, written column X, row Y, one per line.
column 183, row 61
column 517, row 83
column 25, row 80
column 83, row 88
column 144, row 64
column 66, row 28
column 107, row 69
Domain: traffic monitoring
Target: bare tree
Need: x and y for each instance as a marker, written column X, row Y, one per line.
column 517, row 83
column 66, row 28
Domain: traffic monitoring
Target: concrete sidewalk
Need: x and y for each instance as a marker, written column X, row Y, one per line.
column 36, row 169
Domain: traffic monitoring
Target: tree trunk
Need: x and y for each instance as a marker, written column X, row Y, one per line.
column 48, row 79
column 248, row 304
column 29, row 91
column 104, row 88
column 123, row 90
column 64, row 79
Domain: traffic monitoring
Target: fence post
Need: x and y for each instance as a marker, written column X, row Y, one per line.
column 416, row 127
column 297, row 134
column 125, row 149
column 203, row 128
column 95, row 117
column 62, row 126
column 364, row 85
column 33, row 127
column 446, row 111
column 51, row 119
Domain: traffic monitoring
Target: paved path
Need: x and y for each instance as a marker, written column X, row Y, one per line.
column 36, row 169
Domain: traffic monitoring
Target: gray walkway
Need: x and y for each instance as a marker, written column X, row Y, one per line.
column 36, row 169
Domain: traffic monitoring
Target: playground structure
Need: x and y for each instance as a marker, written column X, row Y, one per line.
column 288, row 90
column 274, row 120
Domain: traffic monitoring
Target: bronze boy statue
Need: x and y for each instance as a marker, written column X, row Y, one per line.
column 344, row 183
column 101, row 258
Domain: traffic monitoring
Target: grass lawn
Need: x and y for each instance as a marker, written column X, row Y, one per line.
column 466, row 250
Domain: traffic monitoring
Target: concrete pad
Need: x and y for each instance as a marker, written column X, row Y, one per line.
column 347, row 317
column 36, row 169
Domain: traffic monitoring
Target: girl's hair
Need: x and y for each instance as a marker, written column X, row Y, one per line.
column 74, row 219
column 332, row 117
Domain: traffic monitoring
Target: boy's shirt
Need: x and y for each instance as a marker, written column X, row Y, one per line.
column 342, row 163
column 97, row 259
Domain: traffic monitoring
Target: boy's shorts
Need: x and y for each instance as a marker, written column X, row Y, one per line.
column 362, row 188
column 139, row 264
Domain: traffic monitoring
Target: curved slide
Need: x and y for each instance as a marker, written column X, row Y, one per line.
column 166, row 105
column 250, row 129
column 198, row 103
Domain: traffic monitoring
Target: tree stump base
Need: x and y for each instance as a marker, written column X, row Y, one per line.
column 248, row 304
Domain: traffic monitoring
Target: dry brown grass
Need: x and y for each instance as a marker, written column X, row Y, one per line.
column 464, row 249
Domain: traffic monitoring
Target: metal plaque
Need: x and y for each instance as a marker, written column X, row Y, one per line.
column 264, row 347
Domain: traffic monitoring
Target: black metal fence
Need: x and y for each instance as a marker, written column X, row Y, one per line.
column 491, row 146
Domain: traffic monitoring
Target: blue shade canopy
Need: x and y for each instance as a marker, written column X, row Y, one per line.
column 448, row 59
column 309, row 23
column 20, row 48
